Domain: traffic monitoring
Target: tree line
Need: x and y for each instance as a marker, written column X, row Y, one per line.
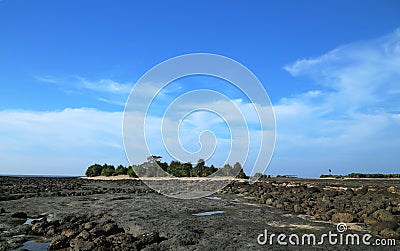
column 175, row 168
column 363, row 175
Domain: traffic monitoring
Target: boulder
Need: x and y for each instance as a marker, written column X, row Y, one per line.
column 328, row 215
column 112, row 228
column 389, row 233
column 362, row 191
column 379, row 226
column 313, row 190
column 269, row 201
column 392, row 189
column 20, row 215
column 383, row 215
column 370, row 220
column 69, row 233
column 85, row 235
column 89, row 225
column 349, row 192
column 342, row 217
column 58, row 242
column 82, row 245
column 298, row 209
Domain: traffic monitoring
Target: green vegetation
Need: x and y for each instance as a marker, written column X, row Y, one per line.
column 175, row 168
column 121, row 170
column 108, row 170
column 362, row 175
column 94, row 170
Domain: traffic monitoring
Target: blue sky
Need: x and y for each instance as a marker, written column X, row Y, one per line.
column 331, row 70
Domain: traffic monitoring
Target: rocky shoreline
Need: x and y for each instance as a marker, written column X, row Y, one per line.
column 82, row 214
column 377, row 206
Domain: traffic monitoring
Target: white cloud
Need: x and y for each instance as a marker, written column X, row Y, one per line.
column 349, row 124
column 59, row 142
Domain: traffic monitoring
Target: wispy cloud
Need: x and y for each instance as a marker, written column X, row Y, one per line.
column 112, row 102
column 47, row 79
column 106, row 90
column 104, row 85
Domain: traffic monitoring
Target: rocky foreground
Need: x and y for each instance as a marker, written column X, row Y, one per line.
column 80, row 214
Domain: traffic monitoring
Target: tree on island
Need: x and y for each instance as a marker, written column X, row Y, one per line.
column 150, row 168
column 108, row 170
column 121, row 170
column 94, row 170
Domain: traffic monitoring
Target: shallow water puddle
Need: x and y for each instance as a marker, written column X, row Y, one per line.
column 208, row 213
column 29, row 220
column 35, row 245
column 213, row 198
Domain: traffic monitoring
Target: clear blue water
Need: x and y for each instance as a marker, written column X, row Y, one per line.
column 35, row 246
column 29, row 220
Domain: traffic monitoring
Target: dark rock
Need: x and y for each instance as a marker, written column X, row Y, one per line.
column 2, row 210
column 59, row 242
column 328, row 215
column 149, row 238
column 331, row 193
column 100, row 241
column 313, row 190
column 370, row 209
column 50, row 231
column 20, row 215
column 362, row 191
column 122, row 242
column 96, row 231
column 112, row 228
column 379, row 226
column 82, row 245
column 269, row 201
column 370, row 220
column 22, row 229
column 342, row 217
column 40, row 227
column 389, row 233
column 298, row 209
column 89, row 225
column 184, row 239
column 69, row 233
column 349, row 192
column 85, row 235
column 392, row 189
column 383, row 215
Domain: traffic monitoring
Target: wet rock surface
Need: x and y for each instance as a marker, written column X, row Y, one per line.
column 81, row 214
